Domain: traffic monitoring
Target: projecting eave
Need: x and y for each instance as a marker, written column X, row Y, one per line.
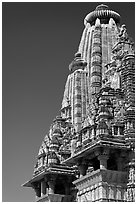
column 34, row 179
column 90, row 149
column 56, row 169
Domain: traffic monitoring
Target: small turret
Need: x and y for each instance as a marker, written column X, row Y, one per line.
column 102, row 129
column 77, row 63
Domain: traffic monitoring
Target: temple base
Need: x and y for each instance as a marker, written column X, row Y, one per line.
column 54, row 198
column 102, row 185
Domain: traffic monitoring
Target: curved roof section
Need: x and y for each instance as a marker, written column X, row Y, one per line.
column 103, row 13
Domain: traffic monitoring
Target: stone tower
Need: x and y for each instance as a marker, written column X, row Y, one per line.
column 88, row 154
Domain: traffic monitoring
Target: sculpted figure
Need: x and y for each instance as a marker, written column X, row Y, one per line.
column 115, row 81
column 123, row 33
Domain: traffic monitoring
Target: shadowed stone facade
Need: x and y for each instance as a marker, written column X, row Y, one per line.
column 88, row 154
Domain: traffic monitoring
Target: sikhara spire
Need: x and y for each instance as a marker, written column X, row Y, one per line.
column 99, row 36
column 88, row 154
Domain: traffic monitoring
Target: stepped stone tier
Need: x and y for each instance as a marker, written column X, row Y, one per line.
column 88, row 154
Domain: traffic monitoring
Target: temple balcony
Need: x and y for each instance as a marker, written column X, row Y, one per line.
column 88, row 137
column 88, row 142
column 102, row 185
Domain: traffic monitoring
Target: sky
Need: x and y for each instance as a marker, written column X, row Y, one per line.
column 39, row 41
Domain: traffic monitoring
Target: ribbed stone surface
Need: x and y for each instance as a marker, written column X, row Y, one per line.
column 102, row 12
column 96, row 130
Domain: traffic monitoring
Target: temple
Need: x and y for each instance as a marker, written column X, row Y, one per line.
column 88, row 153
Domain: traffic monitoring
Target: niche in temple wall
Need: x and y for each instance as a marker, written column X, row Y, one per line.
column 115, row 81
column 40, row 162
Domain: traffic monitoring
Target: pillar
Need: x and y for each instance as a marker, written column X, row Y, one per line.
column 82, row 169
column 51, row 184
column 118, row 131
column 93, row 133
column 43, row 188
column 103, row 161
column 38, row 192
column 66, row 184
column 120, row 164
column 112, row 130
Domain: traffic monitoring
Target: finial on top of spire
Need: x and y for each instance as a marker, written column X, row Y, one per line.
column 103, row 13
column 102, row 7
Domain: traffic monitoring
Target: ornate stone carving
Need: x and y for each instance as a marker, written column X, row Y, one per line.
column 115, row 81
column 96, row 125
column 123, row 36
